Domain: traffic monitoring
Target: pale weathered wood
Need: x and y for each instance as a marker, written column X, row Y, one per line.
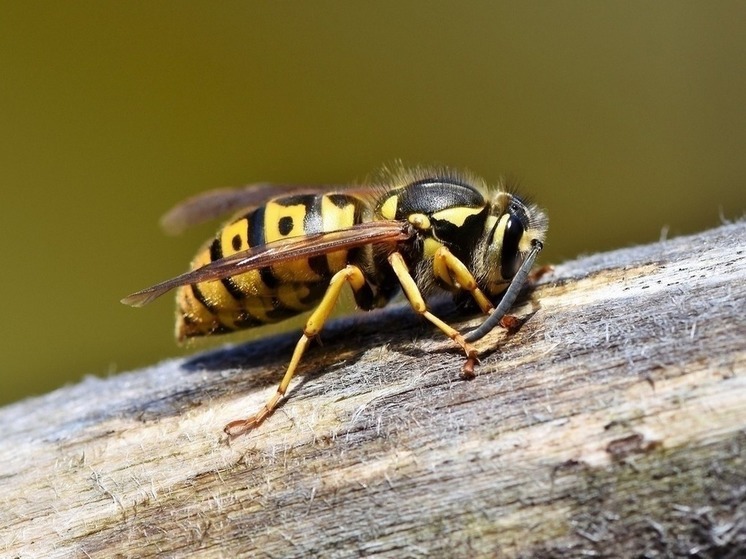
column 613, row 423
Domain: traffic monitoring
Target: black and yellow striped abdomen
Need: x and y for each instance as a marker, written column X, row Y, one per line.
column 276, row 292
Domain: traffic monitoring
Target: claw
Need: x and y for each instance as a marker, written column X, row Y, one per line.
column 467, row 370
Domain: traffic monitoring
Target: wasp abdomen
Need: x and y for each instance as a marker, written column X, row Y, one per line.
column 272, row 293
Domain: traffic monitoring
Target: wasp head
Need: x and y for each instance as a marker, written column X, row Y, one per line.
column 512, row 228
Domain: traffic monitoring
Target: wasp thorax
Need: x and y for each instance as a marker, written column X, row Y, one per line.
column 510, row 231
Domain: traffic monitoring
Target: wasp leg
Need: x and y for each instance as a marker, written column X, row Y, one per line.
column 350, row 274
column 418, row 304
column 451, row 271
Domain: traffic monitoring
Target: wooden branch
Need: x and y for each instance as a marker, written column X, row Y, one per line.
column 611, row 424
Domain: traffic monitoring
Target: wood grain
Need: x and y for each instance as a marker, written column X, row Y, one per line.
column 611, row 424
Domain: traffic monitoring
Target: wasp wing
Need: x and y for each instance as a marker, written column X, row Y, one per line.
column 294, row 248
column 223, row 201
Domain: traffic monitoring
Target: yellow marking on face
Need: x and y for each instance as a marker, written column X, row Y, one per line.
column 489, row 223
column 495, row 250
column 457, row 215
column 524, row 244
column 388, row 208
column 497, row 238
column 501, row 225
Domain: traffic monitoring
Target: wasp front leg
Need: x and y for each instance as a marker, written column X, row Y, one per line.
column 350, row 274
column 418, row 304
column 454, row 273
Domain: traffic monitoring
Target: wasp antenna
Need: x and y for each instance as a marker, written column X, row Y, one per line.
column 510, row 296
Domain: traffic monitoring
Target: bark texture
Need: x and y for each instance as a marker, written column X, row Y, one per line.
column 612, row 423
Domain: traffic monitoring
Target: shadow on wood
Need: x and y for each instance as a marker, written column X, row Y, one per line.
column 613, row 423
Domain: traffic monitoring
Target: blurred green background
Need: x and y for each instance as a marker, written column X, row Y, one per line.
column 623, row 119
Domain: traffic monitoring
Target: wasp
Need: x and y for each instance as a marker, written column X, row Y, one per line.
column 292, row 249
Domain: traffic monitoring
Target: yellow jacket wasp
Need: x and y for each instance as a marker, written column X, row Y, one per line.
column 292, row 249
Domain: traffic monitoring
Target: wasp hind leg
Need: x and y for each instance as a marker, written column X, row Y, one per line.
column 350, row 274
column 418, row 304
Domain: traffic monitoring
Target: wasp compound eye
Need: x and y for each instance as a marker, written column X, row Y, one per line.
column 511, row 261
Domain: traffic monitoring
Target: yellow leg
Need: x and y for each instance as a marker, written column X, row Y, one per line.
column 350, row 274
column 452, row 271
column 418, row 304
